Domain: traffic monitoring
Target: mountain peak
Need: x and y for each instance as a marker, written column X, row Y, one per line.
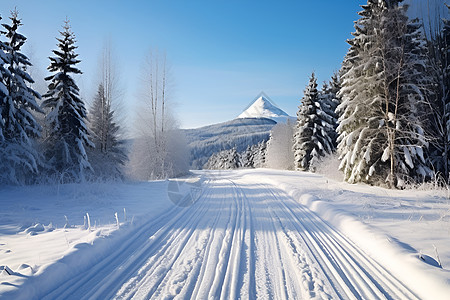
column 263, row 107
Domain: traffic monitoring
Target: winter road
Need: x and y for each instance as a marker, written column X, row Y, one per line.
column 240, row 239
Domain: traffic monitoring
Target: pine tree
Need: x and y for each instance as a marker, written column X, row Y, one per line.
column 311, row 140
column 411, row 143
column 259, row 154
column 109, row 156
column 4, row 77
column 381, row 138
column 439, row 98
column 224, row 160
column 446, row 99
column 68, row 133
column 247, row 158
column 232, row 160
column 213, row 162
column 4, row 94
column 18, row 156
column 329, row 101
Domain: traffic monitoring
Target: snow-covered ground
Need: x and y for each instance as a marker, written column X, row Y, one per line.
column 224, row 234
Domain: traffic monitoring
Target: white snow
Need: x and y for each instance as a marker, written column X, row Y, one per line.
column 264, row 108
column 224, row 234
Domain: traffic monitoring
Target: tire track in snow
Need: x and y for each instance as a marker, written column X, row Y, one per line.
column 354, row 274
column 146, row 274
column 118, row 262
column 240, row 239
column 276, row 278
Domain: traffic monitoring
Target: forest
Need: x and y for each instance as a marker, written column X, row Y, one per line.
column 385, row 115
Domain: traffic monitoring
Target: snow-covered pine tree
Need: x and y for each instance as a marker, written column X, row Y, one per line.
column 259, row 154
column 4, row 103
column 380, row 135
column 446, row 99
column 224, row 160
column 231, row 159
column 311, row 139
column 18, row 156
column 359, row 86
column 109, row 155
column 4, row 76
column 413, row 81
column 211, row 163
column 329, row 101
column 247, row 158
column 68, row 134
column 439, row 97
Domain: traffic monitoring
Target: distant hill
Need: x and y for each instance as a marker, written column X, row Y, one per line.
column 252, row 126
column 239, row 133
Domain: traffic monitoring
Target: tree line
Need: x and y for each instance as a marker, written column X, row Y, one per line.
column 46, row 138
column 54, row 138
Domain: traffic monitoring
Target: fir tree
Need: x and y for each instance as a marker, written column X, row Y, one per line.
column 4, row 77
column 311, row 140
column 224, row 160
column 446, row 99
column 212, row 162
column 232, row 159
column 247, row 158
column 18, row 156
column 4, row 94
column 259, row 154
column 108, row 156
column 439, row 98
column 329, row 101
column 68, row 133
column 381, row 138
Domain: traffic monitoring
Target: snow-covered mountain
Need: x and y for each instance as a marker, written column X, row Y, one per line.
column 263, row 107
column 251, row 127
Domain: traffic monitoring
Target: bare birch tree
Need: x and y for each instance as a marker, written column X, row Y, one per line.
column 159, row 151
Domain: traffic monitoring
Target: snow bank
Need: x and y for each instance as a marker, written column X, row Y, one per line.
column 418, row 271
column 41, row 256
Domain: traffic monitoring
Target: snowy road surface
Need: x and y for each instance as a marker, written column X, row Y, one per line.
column 240, row 239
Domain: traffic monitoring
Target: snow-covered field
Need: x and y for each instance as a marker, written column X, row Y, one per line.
column 224, row 234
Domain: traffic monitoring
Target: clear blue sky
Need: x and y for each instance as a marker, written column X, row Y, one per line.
column 222, row 53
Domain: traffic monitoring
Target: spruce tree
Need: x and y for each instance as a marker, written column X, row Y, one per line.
column 381, row 139
column 329, row 101
column 311, row 139
column 212, row 163
column 4, row 77
column 233, row 160
column 18, row 156
column 439, row 98
column 259, row 154
column 108, row 156
column 411, row 142
column 446, row 98
column 68, row 134
column 247, row 158
column 224, row 160
column 359, row 86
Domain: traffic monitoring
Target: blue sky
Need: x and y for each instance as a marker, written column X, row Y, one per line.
column 222, row 53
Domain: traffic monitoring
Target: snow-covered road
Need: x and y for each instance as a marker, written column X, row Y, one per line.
column 240, row 239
